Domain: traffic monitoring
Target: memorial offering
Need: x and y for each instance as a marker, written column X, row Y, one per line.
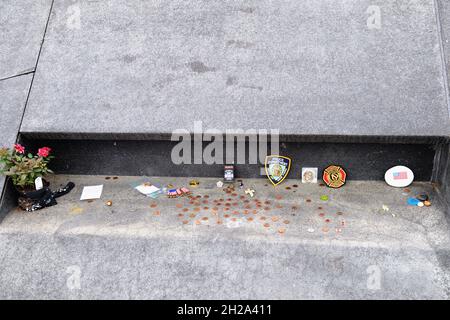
column 228, row 175
column 399, row 176
column 309, row 175
column 334, row 176
column 277, row 168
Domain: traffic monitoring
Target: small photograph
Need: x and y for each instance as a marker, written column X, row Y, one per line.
column 309, row 175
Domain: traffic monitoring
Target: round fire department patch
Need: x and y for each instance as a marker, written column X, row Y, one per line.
column 334, row 176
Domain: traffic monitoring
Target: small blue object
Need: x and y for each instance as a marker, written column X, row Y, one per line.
column 413, row 201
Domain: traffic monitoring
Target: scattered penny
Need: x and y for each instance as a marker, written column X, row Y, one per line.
column 226, row 215
column 115, row 178
column 262, row 218
column 185, row 210
column 180, row 215
column 325, row 229
column 275, row 218
column 281, row 230
column 197, row 209
column 109, row 203
column 205, row 218
column 185, row 222
column 427, row 203
column 153, row 205
column 319, row 208
column 321, row 214
column 278, row 197
column 327, row 220
column 286, row 222
column 157, row 213
column 107, row 178
column 279, row 206
column 340, row 213
column 179, row 205
column 266, row 225
column 249, row 219
column 308, row 200
column 192, row 215
column 219, row 221
column 197, row 222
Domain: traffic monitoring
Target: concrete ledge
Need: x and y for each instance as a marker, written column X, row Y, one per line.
column 306, row 68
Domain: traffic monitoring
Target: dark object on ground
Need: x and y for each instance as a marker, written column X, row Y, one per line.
column 47, row 198
column 422, row 197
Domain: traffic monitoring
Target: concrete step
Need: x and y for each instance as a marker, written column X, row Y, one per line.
column 195, row 248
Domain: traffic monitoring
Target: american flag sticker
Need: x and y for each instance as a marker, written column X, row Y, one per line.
column 400, row 175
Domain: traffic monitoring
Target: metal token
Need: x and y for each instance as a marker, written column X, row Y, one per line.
column 334, row 176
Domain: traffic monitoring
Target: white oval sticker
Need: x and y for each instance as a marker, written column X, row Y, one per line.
column 399, row 176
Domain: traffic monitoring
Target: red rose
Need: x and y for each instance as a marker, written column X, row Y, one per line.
column 19, row 148
column 44, row 152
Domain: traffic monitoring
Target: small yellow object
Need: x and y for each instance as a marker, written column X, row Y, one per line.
column 109, row 203
column 427, row 203
column 194, row 183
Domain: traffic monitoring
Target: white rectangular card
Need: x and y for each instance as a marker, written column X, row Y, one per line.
column 38, row 183
column 92, row 192
column 146, row 189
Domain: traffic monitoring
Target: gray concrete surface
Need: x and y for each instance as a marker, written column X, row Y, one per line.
column 13, row 95
column 444, row 14
column 175, row 248
column 310, row 67
column 22, row 26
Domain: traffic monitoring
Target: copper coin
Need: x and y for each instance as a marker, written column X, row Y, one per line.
column 219, row 221
column 185, row 222
column 249, row 219
column 281, row 230
column 192, row 215
column 308, row 200
column 180, row 215
column 179, row 205
column 266, row 225
column 153, row 205
column 205, row 218
column 157, row 213
column 286, row 222
column 185, row 210
column 275, row 218
column 226, row 215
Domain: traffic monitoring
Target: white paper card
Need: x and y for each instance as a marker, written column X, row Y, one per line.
column 92, row 192
column 38, row 183
column 146, row 189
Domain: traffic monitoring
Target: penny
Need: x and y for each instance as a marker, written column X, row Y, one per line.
column 197, row 209
column 185, row 222
column 327, row 220
column 266, row 225
column 325, row 229
column 219, row 221
column 205, row 218
column 278, row 197
column 279, row 206
column 205, row 208
column 427, row 203
column 262, row 218
column 179, row 205
column 192, row 215
column 308, row 200
column 281, row 230
column 181, row 215
column 115, row 178
column 339, row 213
column 321, row 214
column 185, row 210
column 267, row 208
column 157, row 213
column 286, row 222
column 267, row 202
column 226, row 215
column 109, row 203
column 319, row 208
column 197, row 222
column 275, row 219
column 107, row 178
column 153, row 205
column 215, row 209
column 249, row 219
column 234, row 219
